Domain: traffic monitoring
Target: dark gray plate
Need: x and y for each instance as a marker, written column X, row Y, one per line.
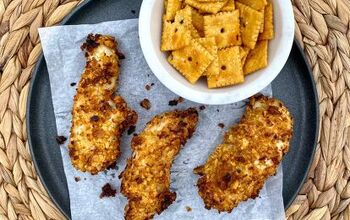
column 294, row 86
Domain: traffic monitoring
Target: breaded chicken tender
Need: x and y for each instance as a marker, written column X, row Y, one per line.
column 146, row 178
column 98, row 117
column 250, row 153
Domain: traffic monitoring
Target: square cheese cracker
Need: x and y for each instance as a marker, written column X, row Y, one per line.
column 268, row 29
column 198, row 21
column 251, row 21
column 211, row 0
column 263, row 20
column 230, row 6
column 208, row 7
column 255, row 4
column 257, row 58
column 230, row 69
column 177, row 34
column 210, row 45
column 171, row 7
column 244, row 51
column 225, row 27
column 191, row 61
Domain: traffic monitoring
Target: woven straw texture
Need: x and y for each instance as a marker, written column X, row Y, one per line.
column 323, row 29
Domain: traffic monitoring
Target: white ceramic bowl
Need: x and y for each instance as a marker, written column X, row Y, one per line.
column 150, row 27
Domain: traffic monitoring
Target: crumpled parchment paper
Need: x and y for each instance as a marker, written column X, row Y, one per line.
column 65, row 63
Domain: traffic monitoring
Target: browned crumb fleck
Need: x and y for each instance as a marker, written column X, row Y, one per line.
column 173, row 102
column 221, row 125
column 149, row 86
column 107, row 191
column 120, row 55
column 189, row 209
column 73, row 84
column 146, row 104
column 77, row 179
column 112, row 166
column 176, row 101
column 202, row 107
column 91, row 43
column 94, row 118
column 121, row 175
column 61, row 139
column 131, row 129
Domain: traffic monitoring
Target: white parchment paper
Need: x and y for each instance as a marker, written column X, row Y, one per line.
column 65, row 63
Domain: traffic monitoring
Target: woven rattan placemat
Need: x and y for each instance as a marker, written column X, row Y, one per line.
column 323, row 29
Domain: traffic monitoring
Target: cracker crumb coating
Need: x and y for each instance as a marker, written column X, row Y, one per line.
column 250, row 153
column 99, row 117
column 146, row 178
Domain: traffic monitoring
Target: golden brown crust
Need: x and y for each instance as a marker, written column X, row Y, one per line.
column 146, row 178
column 250, row 153
column 98, row 117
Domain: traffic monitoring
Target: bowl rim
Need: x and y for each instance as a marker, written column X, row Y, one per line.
column 211, row 98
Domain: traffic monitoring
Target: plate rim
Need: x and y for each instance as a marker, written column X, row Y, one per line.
column 34, row 77
column 28, row 104
column 317, row 126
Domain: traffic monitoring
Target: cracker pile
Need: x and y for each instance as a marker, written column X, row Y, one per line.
column 222, row 40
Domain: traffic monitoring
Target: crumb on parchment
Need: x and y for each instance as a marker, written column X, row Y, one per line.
column 131, row 129
column 107, row 191
column 146, row 104
column 221, row 125
column 61, row 139
column 176, row 101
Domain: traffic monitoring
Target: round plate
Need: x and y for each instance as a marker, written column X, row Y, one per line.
column 294, row 86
